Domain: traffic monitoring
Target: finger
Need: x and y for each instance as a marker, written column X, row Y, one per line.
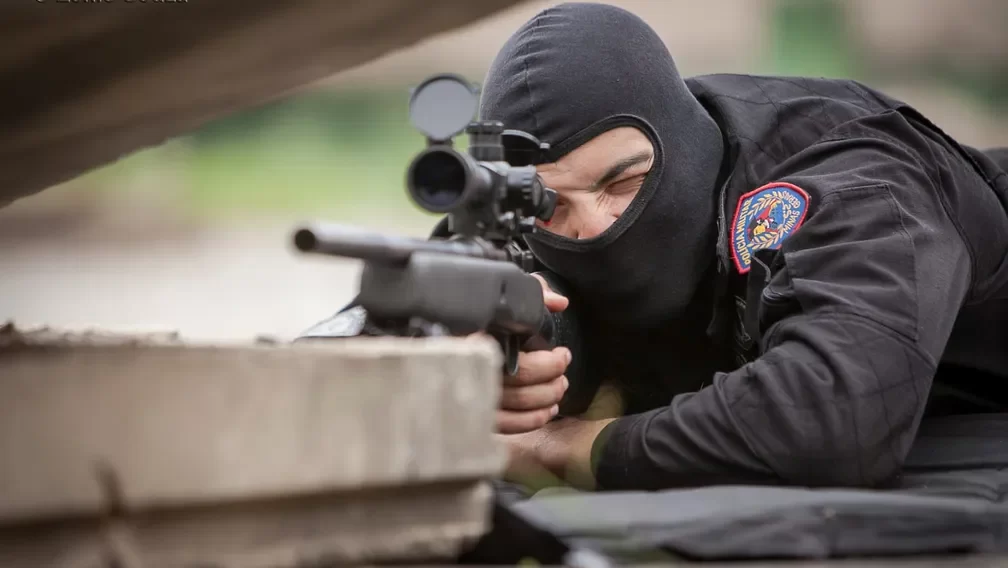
column 509, row 422
column 554, row 302
column 536, row 367
column 534, row 397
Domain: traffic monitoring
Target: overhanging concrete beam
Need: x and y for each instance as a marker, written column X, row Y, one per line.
column 86, row 83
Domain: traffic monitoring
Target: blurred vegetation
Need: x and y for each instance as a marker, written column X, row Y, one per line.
column 813, row 37
column 322, row 151
column 340, row 152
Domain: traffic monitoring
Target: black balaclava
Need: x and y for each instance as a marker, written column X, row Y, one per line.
column 575, row 71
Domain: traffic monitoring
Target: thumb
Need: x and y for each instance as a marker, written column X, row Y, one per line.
column 554, row 302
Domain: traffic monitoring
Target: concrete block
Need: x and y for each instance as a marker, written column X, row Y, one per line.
column 136, row 428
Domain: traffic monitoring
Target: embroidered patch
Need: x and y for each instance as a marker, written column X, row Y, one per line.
column 765, row 217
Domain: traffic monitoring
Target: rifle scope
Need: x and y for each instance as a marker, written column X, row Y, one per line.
column 478, row 188
column 443, row 180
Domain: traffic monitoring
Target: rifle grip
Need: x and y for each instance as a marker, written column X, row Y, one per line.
column 565, row 330
column 545, row 338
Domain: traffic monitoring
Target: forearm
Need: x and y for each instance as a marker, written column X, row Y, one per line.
column 817, row 409
column 691, row 442
column 560, row 453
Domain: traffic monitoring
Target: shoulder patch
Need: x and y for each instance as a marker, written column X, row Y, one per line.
column 765, row 217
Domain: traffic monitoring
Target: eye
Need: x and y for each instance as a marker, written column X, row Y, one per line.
column 626, row 185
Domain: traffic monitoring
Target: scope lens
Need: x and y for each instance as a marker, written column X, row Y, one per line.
column 437, row 181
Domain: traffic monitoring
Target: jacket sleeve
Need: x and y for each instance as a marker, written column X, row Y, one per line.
column 856, row 310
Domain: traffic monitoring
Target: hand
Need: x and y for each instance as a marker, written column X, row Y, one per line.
column 531, row 397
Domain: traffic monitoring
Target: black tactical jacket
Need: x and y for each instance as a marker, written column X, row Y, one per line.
column 861, row 280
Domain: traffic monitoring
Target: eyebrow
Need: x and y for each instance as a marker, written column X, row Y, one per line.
column 620, row 167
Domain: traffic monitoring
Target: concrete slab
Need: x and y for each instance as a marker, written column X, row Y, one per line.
column 202, row 451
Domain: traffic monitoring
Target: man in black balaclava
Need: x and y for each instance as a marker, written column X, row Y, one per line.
column 779, row 273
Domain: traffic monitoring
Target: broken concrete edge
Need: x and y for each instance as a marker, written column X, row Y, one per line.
column 13, row 335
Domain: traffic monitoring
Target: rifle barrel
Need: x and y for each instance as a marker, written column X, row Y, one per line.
column 340, row 240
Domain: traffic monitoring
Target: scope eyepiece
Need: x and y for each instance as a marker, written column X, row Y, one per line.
column 526, row 193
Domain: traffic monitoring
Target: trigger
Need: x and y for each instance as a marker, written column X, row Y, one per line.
column 511, row 347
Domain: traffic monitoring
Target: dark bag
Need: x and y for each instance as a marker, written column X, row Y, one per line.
column 950, row 499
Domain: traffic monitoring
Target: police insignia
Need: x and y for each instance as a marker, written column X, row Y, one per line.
column 765, row 217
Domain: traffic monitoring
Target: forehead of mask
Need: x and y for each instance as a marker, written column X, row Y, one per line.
column 575, row 65
column 597, row 181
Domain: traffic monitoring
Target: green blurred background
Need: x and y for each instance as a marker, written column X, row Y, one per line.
column 319, row 152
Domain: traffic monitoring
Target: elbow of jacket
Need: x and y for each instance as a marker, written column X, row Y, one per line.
column 865, row 467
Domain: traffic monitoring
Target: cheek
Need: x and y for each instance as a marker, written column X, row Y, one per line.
column 619, row 204
column 596, row 221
